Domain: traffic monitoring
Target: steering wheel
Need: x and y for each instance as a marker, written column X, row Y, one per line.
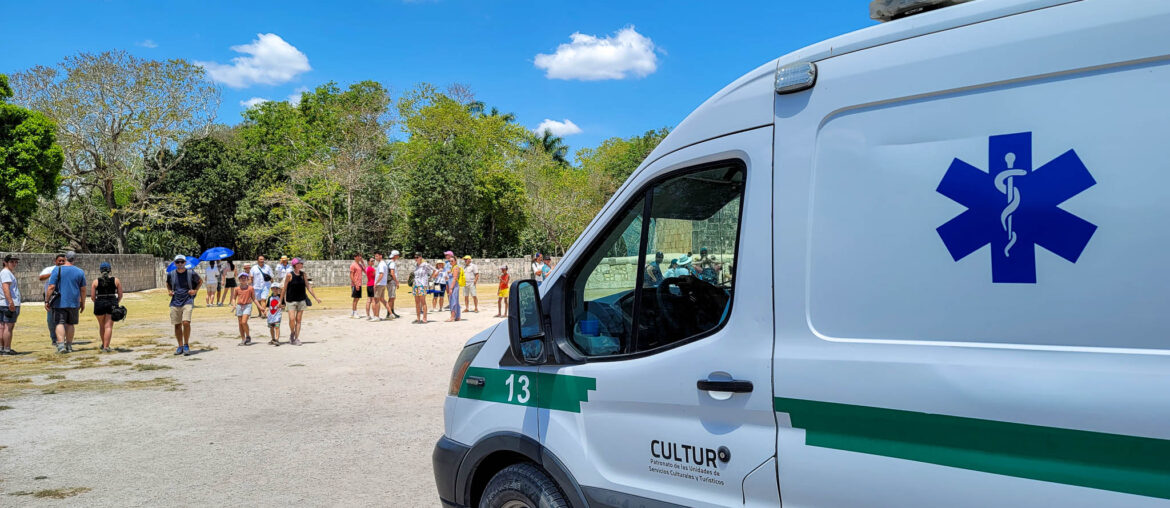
column 682, row 313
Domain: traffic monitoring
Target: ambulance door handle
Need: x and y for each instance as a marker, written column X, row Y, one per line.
column 729, row 386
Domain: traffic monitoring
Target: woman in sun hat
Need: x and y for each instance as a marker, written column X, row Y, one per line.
column 107, row 294
column 296, row 285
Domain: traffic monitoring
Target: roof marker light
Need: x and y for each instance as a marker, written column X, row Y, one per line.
column 889, row 10
column 795, row 77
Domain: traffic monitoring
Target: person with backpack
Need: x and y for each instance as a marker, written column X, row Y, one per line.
column 262, row 278
column 65, row 298
column 58, row 260
column 107, row 296
column 182, row 285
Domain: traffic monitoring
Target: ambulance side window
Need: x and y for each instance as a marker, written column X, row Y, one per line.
column 663, row 280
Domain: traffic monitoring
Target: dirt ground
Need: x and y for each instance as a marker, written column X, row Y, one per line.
column 347, row 419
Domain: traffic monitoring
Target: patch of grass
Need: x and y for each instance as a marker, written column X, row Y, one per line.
column 101, row 385
column 194, row 359
column 150, row 366
column 60, row 493
column 41, row 477
column 118, row 363
column 2, row 408
column 297, row 365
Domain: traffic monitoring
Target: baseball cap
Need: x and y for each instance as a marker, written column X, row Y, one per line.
column 104, row 267
column 296, row 261
column 180, row 258
column 10, row 257
column 466, row 257
column 393, row 253
column 448, row 253
column 504, row 267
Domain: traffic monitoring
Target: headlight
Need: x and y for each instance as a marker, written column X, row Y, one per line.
column 461, row 365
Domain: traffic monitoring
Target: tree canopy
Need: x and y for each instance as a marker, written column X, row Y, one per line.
column 346, row 169
column 30, row 161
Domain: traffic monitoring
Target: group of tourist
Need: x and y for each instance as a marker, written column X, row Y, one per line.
column 271, row 291
column 706, row 267
column 65, row 294
column 444, row 282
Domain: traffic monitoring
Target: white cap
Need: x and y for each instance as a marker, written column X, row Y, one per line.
column 393, row 253
column 180, row 257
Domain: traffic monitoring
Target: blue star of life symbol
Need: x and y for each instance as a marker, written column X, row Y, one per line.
column 1015, row 208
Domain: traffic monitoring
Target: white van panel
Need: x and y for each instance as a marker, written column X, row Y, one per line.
column 875, row 212
column 888, row 411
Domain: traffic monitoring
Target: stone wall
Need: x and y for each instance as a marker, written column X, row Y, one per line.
column 136, row 271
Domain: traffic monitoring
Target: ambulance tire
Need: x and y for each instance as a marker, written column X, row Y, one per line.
column 522, row 485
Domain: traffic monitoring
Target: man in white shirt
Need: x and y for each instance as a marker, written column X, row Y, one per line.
column 262, row 277
column 392, row 285
column 471, row 273
column 381, row 279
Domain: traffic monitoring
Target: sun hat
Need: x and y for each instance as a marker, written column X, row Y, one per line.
column 685, row 260
column 284, row 258
column 180, row 258
column 466, row 257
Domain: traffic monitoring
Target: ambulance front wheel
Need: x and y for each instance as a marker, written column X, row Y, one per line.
column 522, row 486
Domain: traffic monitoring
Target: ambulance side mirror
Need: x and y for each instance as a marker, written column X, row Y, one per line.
column 526, row 323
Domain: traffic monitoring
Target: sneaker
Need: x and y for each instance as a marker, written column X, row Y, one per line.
column 372, row 318
column 186, row 350
column 69, row 347
column 274, row 342
column 61, row 348
column 10, row 352
column 295, row 342
column 179, row 351
column 248, row 341
column 396, row 315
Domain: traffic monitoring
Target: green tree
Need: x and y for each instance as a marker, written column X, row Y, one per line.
column 612, row 162
column 30, row 162
column 552, row 145
column 113, row 111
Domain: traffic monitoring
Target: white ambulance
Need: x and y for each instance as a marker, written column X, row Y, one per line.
column 925, row 264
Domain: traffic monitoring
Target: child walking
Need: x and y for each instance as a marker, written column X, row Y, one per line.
column 502, row 301
column 274, row 315
column 245, row 296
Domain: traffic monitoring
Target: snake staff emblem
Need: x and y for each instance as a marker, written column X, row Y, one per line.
column 1005, row 182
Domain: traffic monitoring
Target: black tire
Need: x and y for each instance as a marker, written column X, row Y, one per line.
column 525, row 484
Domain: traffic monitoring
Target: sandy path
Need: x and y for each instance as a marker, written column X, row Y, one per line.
column 348, row 419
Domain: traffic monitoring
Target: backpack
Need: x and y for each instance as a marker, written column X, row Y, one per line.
column 173, row 278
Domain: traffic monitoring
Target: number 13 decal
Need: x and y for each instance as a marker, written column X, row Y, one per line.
column 524, row 395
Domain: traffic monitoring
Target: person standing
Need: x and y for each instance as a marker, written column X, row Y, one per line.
column 422, row 280
column 262, row 278
column 182, row 286
column 382, row 271
column 653, row 273
column 356, row 271
column 107, row 294
column 227, row 271
column 538, row 268
column 502, row 292
column 65, row 297
column 456, row 282
column 212, row 282
column 392, row 286
column 44, row 276
column 243, row 298
column 371, row 275
column 275, row 309
column 471, row 272
column 9, row 303
column 440, row 290
column 295, row 299
column 282, row 269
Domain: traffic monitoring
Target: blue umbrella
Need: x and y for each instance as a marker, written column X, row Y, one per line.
column 216, row 254
column 190, row 266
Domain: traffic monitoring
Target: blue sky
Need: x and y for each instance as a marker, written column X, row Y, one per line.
column 635, row 65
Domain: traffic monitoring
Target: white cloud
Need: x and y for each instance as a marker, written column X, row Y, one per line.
column 253, row 102
column 270, row 61
column 565, row 128
column 588, row 57
column 295, row 97
column 147, row 44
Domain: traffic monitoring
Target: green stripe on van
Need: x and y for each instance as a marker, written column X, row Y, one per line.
column 527, row 388
column 1120, row 463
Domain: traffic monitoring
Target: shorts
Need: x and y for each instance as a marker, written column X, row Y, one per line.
column 503, row 293
column 65, row 316
column 419, row 291
column 229, row 283
column 443, row 288
column 296, row 306
column 379, row 291
column 181, row 314
column 370, row 291
column 262, row 295
column 212, row 284
column 391, row 291
column 274, row 324
column 355, row 292
column 469, row 290
column 243, row 310
column 104, row 306
column 9, row 316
